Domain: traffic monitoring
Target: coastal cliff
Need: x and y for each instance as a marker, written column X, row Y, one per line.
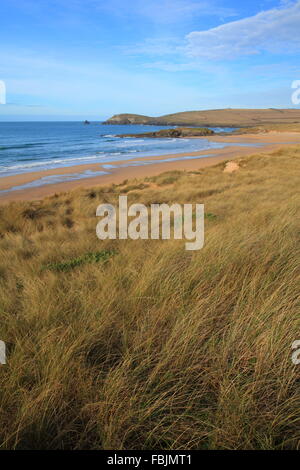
column 129, row 119
column 213, row 118
column 175, row 133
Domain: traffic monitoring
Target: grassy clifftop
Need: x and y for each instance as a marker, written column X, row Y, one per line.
column 269, row 128
column 141, row 344
column 214, row 118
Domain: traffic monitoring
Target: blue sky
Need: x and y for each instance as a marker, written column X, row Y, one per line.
column 77, row 59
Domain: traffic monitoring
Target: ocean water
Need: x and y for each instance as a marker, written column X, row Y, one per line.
column 35, row 146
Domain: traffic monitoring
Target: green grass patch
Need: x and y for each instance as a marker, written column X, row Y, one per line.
column 88, row 258
column 168, row 180
column 134, row 187
column 210, row 216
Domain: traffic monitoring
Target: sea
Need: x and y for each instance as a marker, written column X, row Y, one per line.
column 35, row 146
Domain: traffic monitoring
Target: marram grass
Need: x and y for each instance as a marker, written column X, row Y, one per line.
column 156, row 348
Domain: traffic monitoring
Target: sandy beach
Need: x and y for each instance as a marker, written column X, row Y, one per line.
column 149, row 166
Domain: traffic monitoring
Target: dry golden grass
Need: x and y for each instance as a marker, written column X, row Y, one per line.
column 265, row 128
column 158, row 347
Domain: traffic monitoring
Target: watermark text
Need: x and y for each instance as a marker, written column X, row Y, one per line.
column 161, row 221
column 296, row 93
column 2, row 92
column 296, row 353
column 2, row 352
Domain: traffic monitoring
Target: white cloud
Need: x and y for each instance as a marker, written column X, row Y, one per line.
column 273, row 31
column 165, row 11
column 205, row 68
column 65, row 86
column 161, row 46
column 170, row 11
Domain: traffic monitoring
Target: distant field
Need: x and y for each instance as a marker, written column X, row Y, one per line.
column 215, row 118
column 269, row 128
column 141, row 344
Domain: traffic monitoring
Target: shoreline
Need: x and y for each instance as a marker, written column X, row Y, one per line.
column 123, row 170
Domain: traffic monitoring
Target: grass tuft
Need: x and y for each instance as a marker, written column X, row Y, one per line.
column 88, row 258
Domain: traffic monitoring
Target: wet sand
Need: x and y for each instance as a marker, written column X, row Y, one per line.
column 149, row 166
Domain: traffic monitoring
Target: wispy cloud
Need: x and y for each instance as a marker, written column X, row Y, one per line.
column 161, row 46
column 274, row 31
column 192, row 66
column 116, row 56
column 165, row 11
column 170, row 11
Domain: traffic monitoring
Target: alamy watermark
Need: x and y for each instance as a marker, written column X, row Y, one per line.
column 2, row 352
column 296, row 353
column 2, row 92
column 154, row 222
column 296, row 93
